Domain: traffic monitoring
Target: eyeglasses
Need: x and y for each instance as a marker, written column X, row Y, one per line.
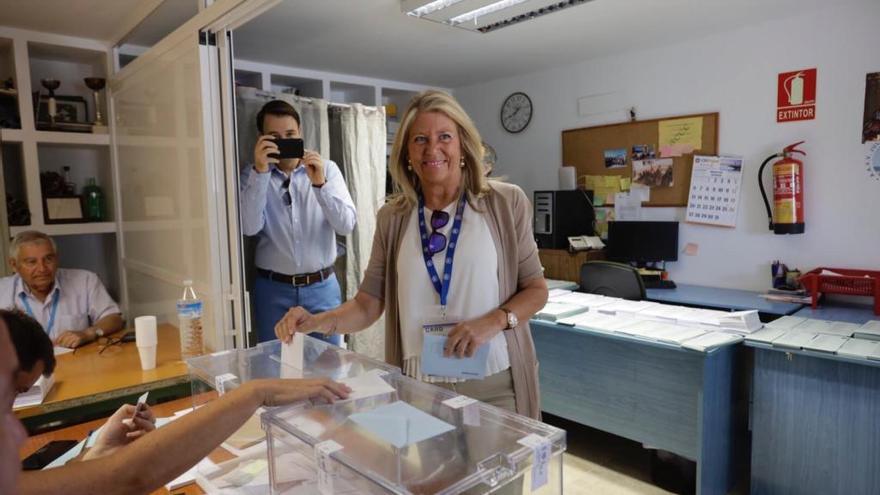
column 105, row 343
column 437, row 240
column 285, row 188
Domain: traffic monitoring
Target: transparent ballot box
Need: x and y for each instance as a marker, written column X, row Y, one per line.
column 415, row 438
column 223, row 371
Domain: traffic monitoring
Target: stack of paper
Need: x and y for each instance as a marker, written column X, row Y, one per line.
column 767, row 335
column 666, row 312
column 557, row 293
column 583, row 299
column 861, row 349
column 711, row 340
column 841, row 329
column 744, row 322
column 36, row 394
column 660, row 331
column 786, row 322
column 826, row 343
column 707, row 318
column 553, row 311
column 560, row 284
column 870, row 330
column 625, row 307
column 794, row 340
column 811, row 325
column 594, row 320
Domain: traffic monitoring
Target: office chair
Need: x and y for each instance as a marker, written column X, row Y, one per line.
column 612, row 279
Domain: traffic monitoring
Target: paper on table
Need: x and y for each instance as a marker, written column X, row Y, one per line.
column 710, row 340
column 826, row 343
column 400, row 424
column 767, row 335
column 786, row 322
column 367, row 385
column 62, row 350
column 292, row 353
column 435, row 364
column 859, row 348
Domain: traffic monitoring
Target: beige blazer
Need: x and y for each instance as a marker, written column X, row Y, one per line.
column 509, row 215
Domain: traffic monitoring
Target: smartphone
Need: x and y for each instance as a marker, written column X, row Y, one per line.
column 289, row 148
column 47, row 454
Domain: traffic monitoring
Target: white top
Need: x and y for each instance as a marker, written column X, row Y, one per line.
column 474, row 291
column 83, row 300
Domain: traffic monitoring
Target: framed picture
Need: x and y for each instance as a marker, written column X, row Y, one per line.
column 69, row 109
column 63, row 209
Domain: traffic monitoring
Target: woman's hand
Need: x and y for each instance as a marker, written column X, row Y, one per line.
column 121, row 430
column 296, row 320
column 277, row 392
column 467, row 336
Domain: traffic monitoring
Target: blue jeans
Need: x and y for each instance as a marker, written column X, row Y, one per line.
column 272, row 300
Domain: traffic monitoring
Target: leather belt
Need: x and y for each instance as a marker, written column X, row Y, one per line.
column 300, row 280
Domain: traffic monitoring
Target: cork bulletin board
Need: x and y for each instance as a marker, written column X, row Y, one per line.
column 585, row 150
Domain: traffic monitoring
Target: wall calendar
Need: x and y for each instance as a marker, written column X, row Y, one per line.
column 714, row 193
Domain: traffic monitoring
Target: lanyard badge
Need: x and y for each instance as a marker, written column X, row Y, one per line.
column 441, row 285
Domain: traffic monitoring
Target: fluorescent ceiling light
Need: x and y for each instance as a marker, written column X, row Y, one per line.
column 484, row 15
column 488, row 9
column 431, row 7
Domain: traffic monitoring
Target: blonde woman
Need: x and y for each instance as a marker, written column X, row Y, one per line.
column 447, row 218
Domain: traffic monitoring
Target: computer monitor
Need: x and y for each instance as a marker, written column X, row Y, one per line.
column 642, row 242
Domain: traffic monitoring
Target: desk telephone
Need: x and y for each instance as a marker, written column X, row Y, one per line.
column 584, row 242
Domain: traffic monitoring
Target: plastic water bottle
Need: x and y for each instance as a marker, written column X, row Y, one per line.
column 189, row 317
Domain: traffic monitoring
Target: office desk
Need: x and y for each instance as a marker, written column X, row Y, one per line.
column 840, row 311
column 85, row 377
column 815, row 423
column 662, row 395
column 720, row 298
column 81, row 431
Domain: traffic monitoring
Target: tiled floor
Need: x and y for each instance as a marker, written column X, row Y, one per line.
column 598, row 463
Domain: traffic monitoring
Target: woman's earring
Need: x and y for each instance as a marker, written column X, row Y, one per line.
column 409, row 161
column 461, row 164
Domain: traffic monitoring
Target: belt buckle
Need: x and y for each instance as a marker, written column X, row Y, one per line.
column 296, row 278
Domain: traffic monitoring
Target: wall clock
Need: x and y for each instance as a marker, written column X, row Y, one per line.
column 516, row 112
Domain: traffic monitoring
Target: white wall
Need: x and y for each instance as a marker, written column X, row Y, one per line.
column 733, row 73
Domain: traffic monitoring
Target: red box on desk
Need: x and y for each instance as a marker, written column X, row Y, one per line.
column 849, row 282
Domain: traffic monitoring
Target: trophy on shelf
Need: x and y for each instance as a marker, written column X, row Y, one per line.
column 96, row 84
column 51, row 85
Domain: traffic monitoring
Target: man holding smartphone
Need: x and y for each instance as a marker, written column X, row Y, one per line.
column 296, row 202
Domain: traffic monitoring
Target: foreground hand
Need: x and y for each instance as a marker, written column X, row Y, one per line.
column 119, row 431
column 71, row 339
column 314, row 165
column 277, row 392
column 265, row 146
column 296, row 320
column 467, row 336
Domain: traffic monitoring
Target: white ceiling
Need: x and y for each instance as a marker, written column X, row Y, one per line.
column 374, row 38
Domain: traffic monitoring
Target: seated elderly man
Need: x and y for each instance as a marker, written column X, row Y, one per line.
column 72, row 305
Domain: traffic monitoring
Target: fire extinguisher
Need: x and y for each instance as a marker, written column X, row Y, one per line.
column 787, row 216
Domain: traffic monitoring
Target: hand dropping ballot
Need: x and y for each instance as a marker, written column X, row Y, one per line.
column 436, row 364
column 292, row 353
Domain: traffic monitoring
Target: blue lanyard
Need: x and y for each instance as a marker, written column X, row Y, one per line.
column 442, row 288
column 30, row 312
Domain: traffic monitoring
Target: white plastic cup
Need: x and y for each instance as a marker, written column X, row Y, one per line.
column 147, row 340
column 148, row 357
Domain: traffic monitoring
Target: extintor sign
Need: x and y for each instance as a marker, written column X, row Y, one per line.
column 796, row 96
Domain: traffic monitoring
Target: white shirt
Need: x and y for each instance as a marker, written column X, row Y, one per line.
column 473, row 293
column 82, row 300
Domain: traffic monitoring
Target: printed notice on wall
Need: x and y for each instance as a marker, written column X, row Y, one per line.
column 714, row 194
